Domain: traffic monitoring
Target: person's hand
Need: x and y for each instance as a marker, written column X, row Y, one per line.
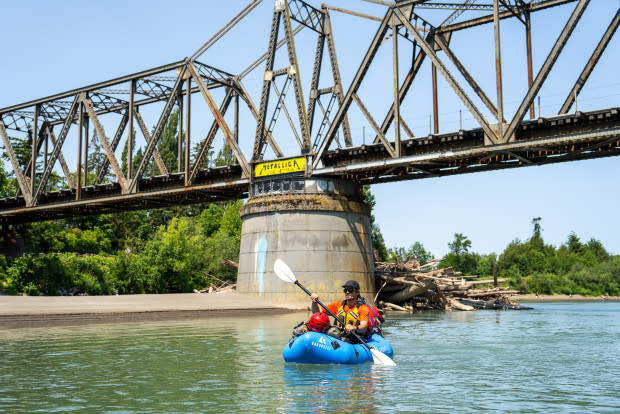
column 314, row 297
column 349, row 328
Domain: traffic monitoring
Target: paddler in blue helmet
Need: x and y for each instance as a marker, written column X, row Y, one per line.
column 351, row 310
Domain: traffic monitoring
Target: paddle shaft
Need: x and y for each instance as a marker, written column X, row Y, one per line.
column 332, row 314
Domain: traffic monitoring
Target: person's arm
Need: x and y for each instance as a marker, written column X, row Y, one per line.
column 315, row 306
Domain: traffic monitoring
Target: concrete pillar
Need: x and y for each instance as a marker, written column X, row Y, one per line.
column 319, row 227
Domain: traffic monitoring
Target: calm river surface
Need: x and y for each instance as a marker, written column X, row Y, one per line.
column 559, row 357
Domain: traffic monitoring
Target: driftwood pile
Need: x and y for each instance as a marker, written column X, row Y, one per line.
column 411, row 286
column 222, row 285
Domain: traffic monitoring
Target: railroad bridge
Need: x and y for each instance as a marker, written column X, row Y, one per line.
column 303, row 165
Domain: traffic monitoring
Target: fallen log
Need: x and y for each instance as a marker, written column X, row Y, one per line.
column 227, row 288
column 484, row 282
column 460, row 306
column 230, row 263
column 392, row 306
column 399, row 280
column 481, row 304
column 431, row 263
column 409, row 292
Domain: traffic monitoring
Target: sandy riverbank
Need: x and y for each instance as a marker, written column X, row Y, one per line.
column 562, row 298
column 38, row 310
column 16, row 311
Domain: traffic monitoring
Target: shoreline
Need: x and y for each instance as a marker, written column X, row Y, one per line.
column 562, row 298
column 28, row 311
column 33, row 311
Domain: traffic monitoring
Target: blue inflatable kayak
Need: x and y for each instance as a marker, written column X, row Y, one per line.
column 318, row 348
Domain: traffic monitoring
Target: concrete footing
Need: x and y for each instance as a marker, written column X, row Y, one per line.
column 320, row 228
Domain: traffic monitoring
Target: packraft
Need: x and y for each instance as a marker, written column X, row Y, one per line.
column 319, row 348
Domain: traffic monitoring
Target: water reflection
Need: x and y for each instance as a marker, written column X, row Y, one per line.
column 557, row 358
column 332, row 388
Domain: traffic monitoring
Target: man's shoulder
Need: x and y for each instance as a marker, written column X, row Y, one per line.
column 334, row 305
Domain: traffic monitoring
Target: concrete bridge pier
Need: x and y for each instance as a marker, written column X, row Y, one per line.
column 319, row 227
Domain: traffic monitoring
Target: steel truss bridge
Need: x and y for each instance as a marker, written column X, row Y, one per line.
column 319, row 115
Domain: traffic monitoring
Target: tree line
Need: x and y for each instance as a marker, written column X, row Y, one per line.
column 575, row 267
column 181, row 249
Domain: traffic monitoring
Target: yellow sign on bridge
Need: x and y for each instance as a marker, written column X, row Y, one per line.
column 291, row 165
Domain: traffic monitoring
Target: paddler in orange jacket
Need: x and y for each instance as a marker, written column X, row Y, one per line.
column 354, row 314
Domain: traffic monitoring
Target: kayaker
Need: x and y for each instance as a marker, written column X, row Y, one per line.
column 354, row 313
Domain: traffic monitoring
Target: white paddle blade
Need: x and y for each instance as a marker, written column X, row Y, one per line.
column 284, row 272
column 380, row 358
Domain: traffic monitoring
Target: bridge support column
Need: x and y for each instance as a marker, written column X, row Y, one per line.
column 319, row 227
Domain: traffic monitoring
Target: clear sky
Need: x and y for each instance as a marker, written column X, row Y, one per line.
column 51, row 47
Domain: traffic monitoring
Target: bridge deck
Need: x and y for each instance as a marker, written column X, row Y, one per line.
column 578, row 136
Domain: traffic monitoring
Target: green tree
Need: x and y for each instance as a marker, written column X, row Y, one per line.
column 484, row 267
column 168, row 142
column 6, row 188
column 536, row 239
column 225, row 156
column 378, row 243
column 415, row 251
column 459, row 256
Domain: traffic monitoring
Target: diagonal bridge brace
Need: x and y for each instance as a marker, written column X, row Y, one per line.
column 430, row 52
column 230, row 139
column 22, row 180
column 109, row 150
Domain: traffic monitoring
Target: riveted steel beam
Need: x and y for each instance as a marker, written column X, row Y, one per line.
column 305, row 14
column 107, row 147
column 230, row 139
column 151, row 146
column 299, row 95
column 402, row 92
column 61, row 159
column 115, row 141
column 147, row 136
column 22, row 180
column 243, row 93
column 206, row 144
column 430, row 52
column 337, row 90
column 591, row 64
column 439, row 40
column 56, row 151
column 393, row 152
column 546, row 67
column 314, row 84
column 259, row 141
column 355, row 84
column 533, row 7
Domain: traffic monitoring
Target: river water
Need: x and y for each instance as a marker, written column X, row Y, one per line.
column 559, row 357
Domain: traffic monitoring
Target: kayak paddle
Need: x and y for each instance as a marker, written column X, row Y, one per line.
column 286, row 274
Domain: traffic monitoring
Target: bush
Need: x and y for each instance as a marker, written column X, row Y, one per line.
column 88, row 274
column 37, row 275
column 4, row 276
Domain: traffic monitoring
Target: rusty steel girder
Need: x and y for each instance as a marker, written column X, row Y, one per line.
column 322, row 112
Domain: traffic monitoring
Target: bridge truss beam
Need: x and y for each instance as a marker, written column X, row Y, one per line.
column 116, row 106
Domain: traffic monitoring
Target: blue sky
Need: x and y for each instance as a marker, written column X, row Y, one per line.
column 51, row 47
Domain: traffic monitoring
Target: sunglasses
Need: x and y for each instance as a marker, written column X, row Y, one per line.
column 349, row 290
